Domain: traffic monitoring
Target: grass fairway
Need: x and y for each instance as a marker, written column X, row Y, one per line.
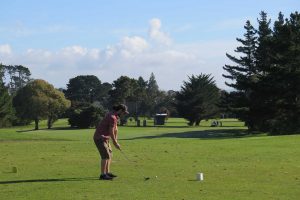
column 64, row 164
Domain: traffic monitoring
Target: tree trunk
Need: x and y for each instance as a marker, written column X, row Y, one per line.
column 191, row 123
column 49, row 122
column 36, row 121
column 198, row 122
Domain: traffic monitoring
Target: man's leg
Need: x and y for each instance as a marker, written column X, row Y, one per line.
column 108, row 166
column 104, row 176
column 102, row 148
column 104, row 164
column 109, row 159
column 109, row 163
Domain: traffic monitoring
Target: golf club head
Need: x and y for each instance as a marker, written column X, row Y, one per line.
column 147, row 178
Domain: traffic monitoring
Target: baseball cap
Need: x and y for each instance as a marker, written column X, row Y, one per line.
column 124, row 108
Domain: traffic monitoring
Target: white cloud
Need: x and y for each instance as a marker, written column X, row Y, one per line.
column 94, row 53
column 134, row 44
column 129, row 47
column 5, row 49
column 156, row 34
column 74, row 50
column 132, row 56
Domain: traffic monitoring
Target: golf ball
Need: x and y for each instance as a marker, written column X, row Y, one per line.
column 155, row 176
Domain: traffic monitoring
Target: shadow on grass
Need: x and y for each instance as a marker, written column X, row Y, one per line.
column 177, row 126
column 24, row 131
column 67, row 128
column 208, row 126
column 36, row 140
column 52, row 129
column 149, row 126
column 204, row 134
column 49, row 180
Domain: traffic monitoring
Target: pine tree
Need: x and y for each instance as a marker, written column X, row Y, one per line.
column 198, row 99
column 6, row 109
column 269, row 94
column 19, row 76
column 260, row 109
column 284, row 76
column 263, row 51
column 152, row 90
column 141, row 98
column 243, row 74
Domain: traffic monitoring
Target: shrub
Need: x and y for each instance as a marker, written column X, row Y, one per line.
column 85, row 117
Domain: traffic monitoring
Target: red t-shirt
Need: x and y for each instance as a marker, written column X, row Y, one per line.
column 102, row 130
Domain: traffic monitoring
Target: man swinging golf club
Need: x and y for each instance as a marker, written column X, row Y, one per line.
column 107, row 129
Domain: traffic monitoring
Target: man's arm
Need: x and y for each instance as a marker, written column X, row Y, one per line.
column 116, row 133
column 113, row 136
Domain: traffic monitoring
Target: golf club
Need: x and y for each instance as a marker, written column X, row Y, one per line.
column 145, row 178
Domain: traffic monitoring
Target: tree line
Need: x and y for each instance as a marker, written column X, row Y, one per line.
column 86, row 99
column 23, row 100
column 264, row 76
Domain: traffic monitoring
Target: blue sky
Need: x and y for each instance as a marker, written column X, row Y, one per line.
column 58, row 40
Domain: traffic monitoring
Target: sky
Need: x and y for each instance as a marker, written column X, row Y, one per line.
column 61, row 39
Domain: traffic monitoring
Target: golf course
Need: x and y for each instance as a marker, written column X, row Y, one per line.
column 63, row 163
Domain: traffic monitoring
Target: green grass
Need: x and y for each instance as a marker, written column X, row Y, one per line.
column 64, row 164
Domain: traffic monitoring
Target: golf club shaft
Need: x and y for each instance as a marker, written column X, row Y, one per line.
column 132, row 162
column 126, row 156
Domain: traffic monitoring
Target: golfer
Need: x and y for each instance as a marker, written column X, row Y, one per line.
column 107, row 129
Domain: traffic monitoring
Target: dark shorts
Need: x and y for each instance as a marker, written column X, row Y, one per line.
column 104, row 149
